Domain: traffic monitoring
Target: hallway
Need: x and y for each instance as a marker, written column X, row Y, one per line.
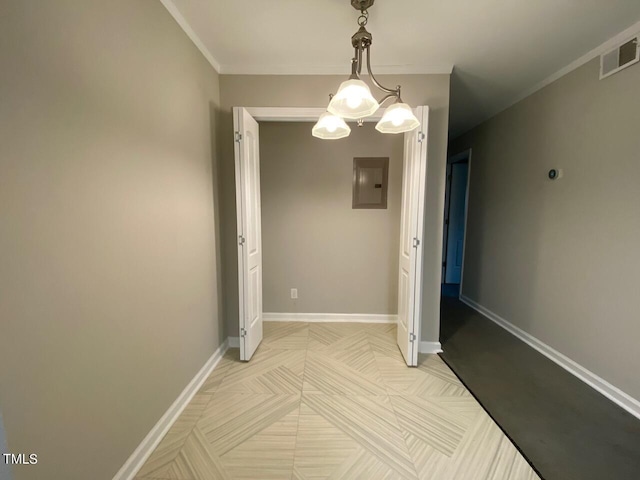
column 566, row 429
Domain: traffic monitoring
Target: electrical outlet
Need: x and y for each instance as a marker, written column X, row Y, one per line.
column 294, row 293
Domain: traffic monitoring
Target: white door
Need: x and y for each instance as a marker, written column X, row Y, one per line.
column 249, row 231
column 411, row 236
column 455, row 219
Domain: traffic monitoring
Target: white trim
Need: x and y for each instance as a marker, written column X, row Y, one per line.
column 587, row 57
column 450, row 161
column 298, row 114
column 177, row 16
column 234, row 342
column 459, row 156
column 342, row 69
column 613, row 393
column 140, row 455
column 466, row 215
column 330, row 317
column 430, row 347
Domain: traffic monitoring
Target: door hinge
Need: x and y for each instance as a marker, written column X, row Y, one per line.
column 412, row 337
column 416, row 242
column 238, row 137
column 243, row 332
column 421, row 137
column 241, row 240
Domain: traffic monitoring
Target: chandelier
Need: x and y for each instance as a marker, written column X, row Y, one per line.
column 354, row 100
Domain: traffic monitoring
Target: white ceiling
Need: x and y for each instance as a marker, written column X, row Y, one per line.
column 500, row 48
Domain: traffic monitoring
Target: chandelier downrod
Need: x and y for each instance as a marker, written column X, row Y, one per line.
column 361, row 42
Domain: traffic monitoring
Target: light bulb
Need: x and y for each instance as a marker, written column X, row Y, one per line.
column 331, row 123
column 396, row 120
column 354, row 101
column 330, row 127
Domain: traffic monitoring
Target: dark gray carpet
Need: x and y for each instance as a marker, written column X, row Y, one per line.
column 566, row 429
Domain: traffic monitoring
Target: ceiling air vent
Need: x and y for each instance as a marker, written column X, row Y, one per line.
column 619, row 58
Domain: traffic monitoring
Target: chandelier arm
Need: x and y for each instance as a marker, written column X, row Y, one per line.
column 387, row 97
column 393, row 92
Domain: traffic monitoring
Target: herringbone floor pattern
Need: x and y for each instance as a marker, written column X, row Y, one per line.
column 333, row 401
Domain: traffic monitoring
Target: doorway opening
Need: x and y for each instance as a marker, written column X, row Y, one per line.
column 455, row 220
column 250, row 228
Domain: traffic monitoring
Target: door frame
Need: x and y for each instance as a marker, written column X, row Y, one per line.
column 295, row 114
column 311, row 114
column 465, row 154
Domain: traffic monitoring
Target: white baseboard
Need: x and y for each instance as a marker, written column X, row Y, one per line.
column 153, row 438
column 330, row 317
column 234, row 342
column 612, row 392
column 425, row 347
column 430, row 347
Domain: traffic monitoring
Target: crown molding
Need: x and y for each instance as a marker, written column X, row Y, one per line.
column 180, row 20
column 342, row 69
column 587, row 57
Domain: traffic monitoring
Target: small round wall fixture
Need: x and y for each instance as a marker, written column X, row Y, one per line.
column 554, row 173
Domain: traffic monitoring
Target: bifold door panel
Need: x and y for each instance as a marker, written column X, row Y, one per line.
column 414, row 177
column 249, row 226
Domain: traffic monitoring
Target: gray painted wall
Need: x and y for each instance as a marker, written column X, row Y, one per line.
column 341, row 260
column 5, row 469
column 108, row 273
column 313, row 91
column 560, row 259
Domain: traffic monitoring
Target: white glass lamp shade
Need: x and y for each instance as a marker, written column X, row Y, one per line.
column 398, row 118
column 353, row 100
column 330, row 127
